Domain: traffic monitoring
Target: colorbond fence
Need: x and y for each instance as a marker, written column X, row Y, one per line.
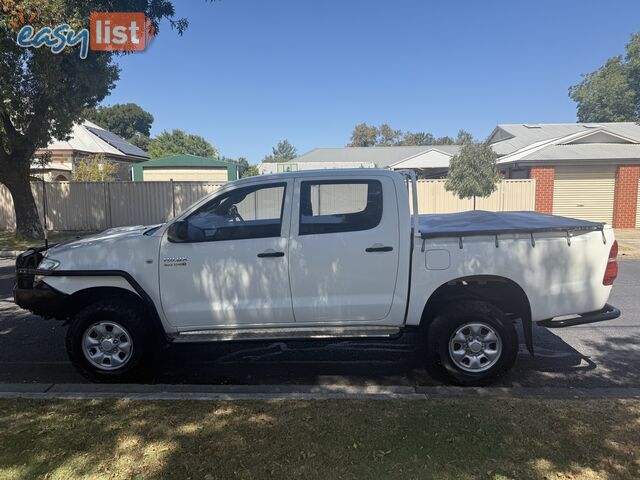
column 97, row 205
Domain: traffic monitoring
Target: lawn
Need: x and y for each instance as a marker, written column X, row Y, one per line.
column 332, row 439
column 8, row 240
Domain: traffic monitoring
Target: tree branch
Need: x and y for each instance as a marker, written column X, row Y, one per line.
column 12, row 134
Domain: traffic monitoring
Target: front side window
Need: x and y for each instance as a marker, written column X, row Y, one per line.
column 249, row 212
column 332, row 206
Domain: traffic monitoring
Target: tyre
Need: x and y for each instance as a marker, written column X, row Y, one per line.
column 471, row 343
column 111, row 341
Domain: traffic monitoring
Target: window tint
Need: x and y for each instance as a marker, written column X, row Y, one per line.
column 333, row 206
column 250, row 212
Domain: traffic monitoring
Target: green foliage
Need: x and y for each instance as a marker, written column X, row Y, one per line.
column 250, row 171
column 140, row 141
column 611, row 93
column 387, row 136
column 463, row 137
column 283, row 152
column 473, row 171
column 178, row 142
column 417, row 138
column 95, row 169
column 127, row 120
column 43, row 94
column 364, row 135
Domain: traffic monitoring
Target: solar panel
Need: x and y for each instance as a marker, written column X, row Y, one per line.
column 117, row 142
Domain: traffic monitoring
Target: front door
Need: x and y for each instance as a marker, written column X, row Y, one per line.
column 234, row 268
column 344, row 250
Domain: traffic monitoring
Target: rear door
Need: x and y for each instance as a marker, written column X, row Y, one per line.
column 344, row 249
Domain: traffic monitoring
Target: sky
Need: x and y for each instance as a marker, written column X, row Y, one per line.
column 248, row 73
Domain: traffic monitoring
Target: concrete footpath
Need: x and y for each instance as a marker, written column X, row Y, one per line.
column 300, row 392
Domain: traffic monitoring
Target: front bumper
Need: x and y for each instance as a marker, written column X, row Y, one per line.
column 35, row 295
column 609, row 312
column 42, row 300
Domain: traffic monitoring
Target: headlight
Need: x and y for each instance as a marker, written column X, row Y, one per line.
column 48, row 264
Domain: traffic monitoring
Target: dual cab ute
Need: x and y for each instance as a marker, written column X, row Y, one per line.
column 322, row 254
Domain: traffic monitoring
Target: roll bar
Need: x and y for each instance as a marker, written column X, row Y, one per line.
column 410, row 176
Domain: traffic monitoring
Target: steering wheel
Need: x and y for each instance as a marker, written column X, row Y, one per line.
column 234, row 214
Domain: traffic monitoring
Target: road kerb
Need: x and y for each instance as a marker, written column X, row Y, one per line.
column 303, row 392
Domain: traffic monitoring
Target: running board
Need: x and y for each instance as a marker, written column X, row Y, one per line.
column 288, row 333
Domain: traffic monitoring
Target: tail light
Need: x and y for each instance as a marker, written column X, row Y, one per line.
column 611, row 272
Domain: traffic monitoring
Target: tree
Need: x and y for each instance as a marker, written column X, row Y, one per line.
column 418, row 138
column 611, row 93
column 283, row 152
column 446, row 140
column 95, row 169
column 178, row 142
column 364, row 136
column 473, row 172
column 43, row 94
column 126, row 120
column 251, row 171
column 463, row 137
column 387, row 136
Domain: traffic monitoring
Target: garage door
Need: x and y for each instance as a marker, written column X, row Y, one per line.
column 585, row 192
column 185, row 174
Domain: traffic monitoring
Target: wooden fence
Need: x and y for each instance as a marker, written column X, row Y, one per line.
column 97, row 205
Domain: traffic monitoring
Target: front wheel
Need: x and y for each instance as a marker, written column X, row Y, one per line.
column 471, row 343
column 107, row 342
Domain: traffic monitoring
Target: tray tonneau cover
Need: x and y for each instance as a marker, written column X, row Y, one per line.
column 480, row 222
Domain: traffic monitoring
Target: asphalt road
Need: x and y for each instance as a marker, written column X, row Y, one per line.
column 599, row 355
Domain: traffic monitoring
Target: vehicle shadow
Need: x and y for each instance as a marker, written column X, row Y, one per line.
column 555, row 364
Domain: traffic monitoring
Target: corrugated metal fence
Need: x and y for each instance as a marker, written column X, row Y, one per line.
column 97, row 205
column 511, row 195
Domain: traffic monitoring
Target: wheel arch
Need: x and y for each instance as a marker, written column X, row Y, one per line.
column 82, row 298
column 500, row 291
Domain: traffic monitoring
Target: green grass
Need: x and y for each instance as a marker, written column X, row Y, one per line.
column 9, row 241
column 333, row 439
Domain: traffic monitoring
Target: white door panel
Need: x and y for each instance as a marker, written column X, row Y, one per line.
column 225, row 283
column 333, row 278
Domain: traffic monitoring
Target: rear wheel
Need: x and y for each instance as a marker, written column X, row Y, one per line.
column 471, row 343
column 110, row 341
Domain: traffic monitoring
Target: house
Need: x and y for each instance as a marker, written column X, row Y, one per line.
column 431, row 161
column 582, row 170
column 184, row 168
column 86, row 141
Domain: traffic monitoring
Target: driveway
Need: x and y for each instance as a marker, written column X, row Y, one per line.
column 600, row 355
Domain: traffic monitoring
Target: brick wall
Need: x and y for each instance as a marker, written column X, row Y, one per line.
column 544, row 177
column 626, row 196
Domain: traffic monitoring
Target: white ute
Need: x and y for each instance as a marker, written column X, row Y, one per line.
column 317, row 255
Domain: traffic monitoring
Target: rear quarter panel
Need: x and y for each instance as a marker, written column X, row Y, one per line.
column 558, row 278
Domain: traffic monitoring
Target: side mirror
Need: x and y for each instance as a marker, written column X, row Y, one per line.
column 178, row 232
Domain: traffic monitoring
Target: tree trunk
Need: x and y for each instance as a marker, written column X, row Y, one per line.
column 28, row 224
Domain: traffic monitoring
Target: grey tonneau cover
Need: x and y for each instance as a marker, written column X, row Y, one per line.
column 480, row 222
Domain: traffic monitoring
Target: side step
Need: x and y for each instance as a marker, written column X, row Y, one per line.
column 287, row 333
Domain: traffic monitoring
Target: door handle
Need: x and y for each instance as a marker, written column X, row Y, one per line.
column 378, row 248
column 270, row 254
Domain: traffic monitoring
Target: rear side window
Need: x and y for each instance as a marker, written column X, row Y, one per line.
column 333, row 206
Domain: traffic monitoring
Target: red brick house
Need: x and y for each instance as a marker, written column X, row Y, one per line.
column 582, row 170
